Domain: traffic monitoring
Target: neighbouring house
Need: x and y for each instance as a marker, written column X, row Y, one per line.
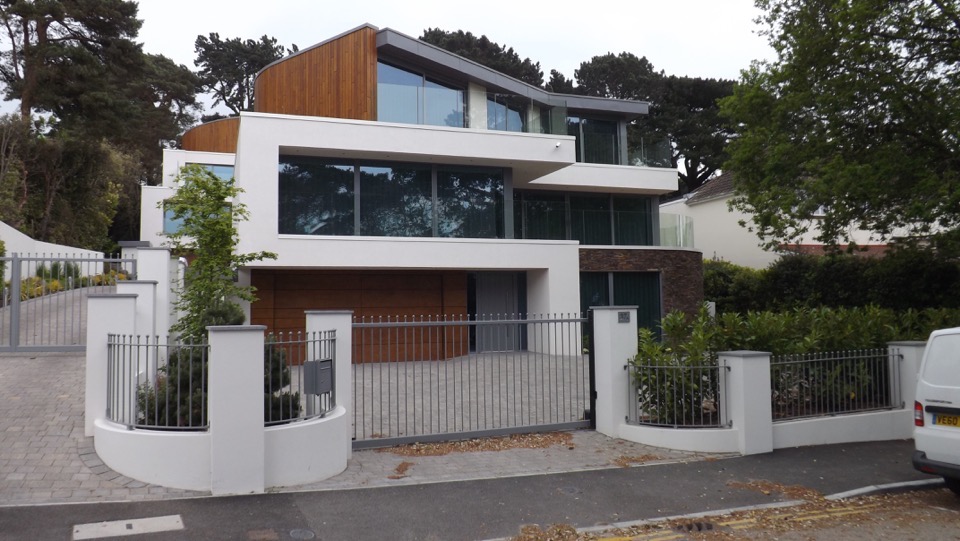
column 719, row 234
column 393, row 178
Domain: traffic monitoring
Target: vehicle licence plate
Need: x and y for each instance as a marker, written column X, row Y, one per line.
column 947, row 420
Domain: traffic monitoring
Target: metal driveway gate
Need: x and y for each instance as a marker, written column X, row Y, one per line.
column 43, row 299
column 417, row 380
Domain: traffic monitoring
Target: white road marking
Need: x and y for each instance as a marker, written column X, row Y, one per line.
column 121, row 528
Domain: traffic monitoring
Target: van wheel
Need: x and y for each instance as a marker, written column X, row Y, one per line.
column 953, row 484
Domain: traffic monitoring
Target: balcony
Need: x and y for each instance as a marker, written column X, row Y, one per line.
column 676, row 230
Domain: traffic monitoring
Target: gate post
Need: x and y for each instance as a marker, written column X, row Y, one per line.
column 747, row 385
column 340, row 321
column 153, row 264
column 16, row 287
column 106, row 314
column 235, row 406
column 615, row 343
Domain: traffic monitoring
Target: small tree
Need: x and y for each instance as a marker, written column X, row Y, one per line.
column 205, row 205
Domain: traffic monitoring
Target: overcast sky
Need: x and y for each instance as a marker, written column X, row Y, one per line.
column 699, row 38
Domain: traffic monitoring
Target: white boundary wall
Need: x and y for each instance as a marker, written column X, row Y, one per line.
column 747, row 384
column 291, row 454
column 16, row 242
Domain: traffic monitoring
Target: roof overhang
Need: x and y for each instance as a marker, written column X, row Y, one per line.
column 402, row 47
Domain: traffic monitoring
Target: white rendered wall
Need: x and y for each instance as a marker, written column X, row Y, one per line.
column 16, row 242
column 151, row 213
column 596, row 177
column 173, row 160
column 476, row 107
column 166, row 458
column 719, row 235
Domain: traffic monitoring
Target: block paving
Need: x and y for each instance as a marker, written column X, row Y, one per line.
column 45, row 458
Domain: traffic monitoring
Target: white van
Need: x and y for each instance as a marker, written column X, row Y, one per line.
column 936, row 413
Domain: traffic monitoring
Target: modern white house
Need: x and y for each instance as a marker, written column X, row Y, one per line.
column 719, row 234
column 393, row 178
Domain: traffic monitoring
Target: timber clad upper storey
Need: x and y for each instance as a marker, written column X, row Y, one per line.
column 382, row 75
column 335, row 79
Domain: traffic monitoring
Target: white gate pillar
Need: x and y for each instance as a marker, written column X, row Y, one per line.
column 614, row 345
column 747, row 388
column 106, row 314
column 340, row 321
column 235, row 408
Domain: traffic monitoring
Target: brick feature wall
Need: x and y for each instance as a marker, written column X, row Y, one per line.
column 681, row 271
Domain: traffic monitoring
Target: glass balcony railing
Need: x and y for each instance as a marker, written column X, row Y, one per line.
column 649, row 152
column 676, row 230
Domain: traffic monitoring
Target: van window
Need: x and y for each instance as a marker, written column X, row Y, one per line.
column 943, row 361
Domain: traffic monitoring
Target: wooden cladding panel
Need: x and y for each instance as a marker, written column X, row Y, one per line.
column 217, row 136
column 337, row 79
column 284, row 295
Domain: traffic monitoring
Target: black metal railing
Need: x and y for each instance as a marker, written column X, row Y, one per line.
column 832, row 383
column 676, row 396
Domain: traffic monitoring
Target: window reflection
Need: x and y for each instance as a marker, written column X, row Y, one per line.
column 410, row 98
column 316, row 197
column 505, row 113
column 172, row 224
column 597, row 140
column 395, row 201
column 470, row 203
column 543, row 216
column 625, row 220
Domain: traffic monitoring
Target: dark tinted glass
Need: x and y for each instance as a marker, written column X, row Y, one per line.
column 395, row 201
column 315, row 197
column 590, row 219
column 470, row 203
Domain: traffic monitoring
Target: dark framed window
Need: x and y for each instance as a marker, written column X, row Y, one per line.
column 506, row 113
column 470, row 202
column 540, row 215
column 316, row 197
column 395, row 201
column 640, row 289
column 633, row 220
column 597, row 219
column 590, row 219
column 598, row 141
column 319, row 196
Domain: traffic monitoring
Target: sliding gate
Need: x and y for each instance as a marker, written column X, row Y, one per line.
column 432, row 380
column 43, row 299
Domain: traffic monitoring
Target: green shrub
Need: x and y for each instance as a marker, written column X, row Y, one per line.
column 178, row 397
column 903, row 279
column 690, row 342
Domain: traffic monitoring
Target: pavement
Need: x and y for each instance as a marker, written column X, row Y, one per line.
column 46, row 461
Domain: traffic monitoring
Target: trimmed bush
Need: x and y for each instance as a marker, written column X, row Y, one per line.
column 904, row 279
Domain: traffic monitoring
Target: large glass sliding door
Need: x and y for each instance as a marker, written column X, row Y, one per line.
column 598, row 141
column 319, row 196
column 396, row 201
column 411, row 98
column 316, row 197
column 470, row 202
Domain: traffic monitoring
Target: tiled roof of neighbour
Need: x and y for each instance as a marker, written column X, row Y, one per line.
column 715, row 188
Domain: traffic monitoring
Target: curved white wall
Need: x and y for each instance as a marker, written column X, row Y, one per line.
column 307, row 452
column 296, row 453
column 700, row 440
column 170, row 459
